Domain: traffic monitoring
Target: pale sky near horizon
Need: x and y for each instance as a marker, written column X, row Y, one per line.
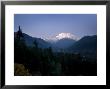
column 48, row 25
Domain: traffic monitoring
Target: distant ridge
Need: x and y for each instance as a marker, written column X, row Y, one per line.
column 29, row 41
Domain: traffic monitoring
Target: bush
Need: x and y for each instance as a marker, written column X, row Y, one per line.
column 20, row 70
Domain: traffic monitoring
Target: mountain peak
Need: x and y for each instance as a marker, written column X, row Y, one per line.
column 62, row 36
column 66, row 35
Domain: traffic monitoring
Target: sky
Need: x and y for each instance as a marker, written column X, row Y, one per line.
column 46, row 26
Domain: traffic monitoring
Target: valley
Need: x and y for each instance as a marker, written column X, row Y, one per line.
column 64, row 57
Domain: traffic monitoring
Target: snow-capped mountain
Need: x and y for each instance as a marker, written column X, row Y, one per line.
column 66, row 35
column 62, row 36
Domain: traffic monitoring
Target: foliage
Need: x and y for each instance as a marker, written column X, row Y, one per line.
column 19, row 70
column 43, row 61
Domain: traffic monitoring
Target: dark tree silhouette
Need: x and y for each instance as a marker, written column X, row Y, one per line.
column 35, row 44
column 19, row 33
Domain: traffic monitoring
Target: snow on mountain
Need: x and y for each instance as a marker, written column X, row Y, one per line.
column 66, row 35
column 62, row 36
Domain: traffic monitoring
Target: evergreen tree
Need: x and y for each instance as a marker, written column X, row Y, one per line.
column 19, row 33
column 35, row 44
column 20, row 48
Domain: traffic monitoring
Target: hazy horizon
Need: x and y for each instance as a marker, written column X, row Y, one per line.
column 48, row 26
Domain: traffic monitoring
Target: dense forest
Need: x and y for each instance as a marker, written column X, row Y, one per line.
column 37, row 61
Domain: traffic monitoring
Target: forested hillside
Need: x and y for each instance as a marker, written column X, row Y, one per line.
column 37, row 61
